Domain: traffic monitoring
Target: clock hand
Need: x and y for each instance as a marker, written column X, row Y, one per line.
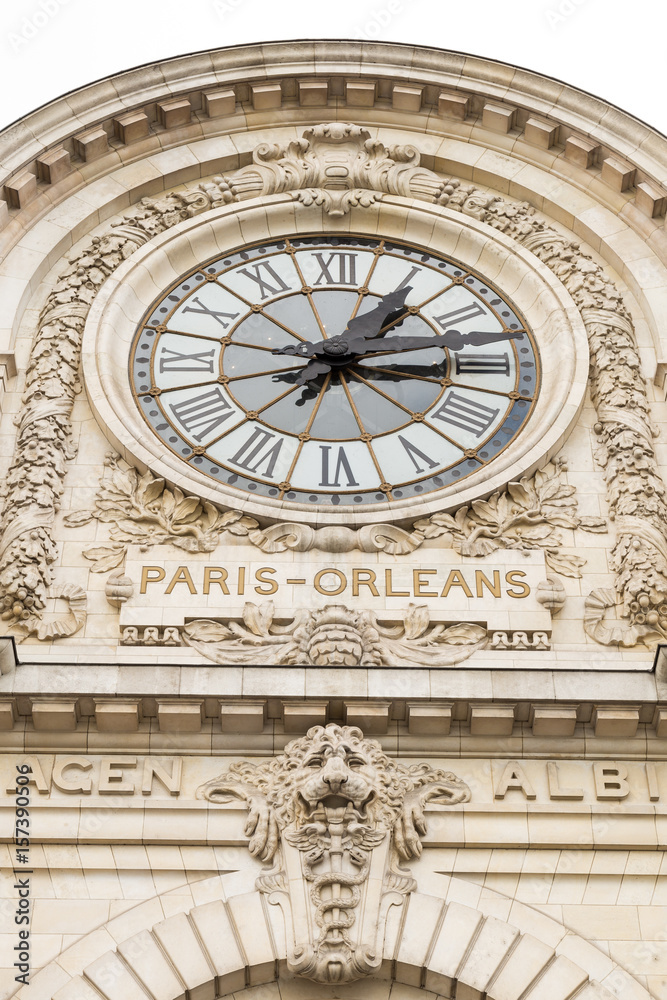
column 357, row 332
column 453, row 339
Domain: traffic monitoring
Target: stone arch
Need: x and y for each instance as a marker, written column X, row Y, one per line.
column 449, row 945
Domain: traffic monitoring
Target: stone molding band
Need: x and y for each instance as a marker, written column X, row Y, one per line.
column 113, row 717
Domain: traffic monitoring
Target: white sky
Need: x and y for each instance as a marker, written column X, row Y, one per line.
column 611, row 48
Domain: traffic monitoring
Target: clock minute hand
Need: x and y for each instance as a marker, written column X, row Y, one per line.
column 389, row 310
column 453, row 340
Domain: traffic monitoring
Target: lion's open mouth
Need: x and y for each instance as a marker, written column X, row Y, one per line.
column 339, row 800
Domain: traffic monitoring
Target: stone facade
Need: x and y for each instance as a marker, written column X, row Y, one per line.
column 407, row 748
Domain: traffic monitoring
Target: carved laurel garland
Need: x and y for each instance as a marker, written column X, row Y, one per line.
column 635, row 490
column 364, row 171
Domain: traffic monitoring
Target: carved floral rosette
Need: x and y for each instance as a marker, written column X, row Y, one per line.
column 333, row 817
column 364, row 171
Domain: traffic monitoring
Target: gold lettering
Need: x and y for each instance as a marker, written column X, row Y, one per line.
column 342, row 581
column 418, row 583
column 111, row 776
column 610, row 780
column 220, row 578
column 514, row 777
column 388, row 586
column 455, row 579
column 182, row 575
column 172, row 782
column 481, row 581
column 261, row 577
column 36, row 778
column 146, row 578
column 555, row 789
column 510, row 578
column 367, row 581
column 241, row 583
column 78, row 784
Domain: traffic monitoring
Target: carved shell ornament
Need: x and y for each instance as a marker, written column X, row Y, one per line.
column 337, row 166
column 329, row 807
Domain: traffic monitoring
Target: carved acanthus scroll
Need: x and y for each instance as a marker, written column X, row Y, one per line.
column 334, row 636
column 337, row 166
column 324, row 812
column 142, row 510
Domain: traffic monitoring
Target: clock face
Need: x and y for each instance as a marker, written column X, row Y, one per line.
column 335, row 370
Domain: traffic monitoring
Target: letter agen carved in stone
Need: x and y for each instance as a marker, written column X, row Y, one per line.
column 333, row 817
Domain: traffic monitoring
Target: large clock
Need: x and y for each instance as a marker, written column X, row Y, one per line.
column 328, row 370
column 374, row 367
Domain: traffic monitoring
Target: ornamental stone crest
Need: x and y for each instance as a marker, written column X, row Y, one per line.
column 332, row 817
column 336, row 165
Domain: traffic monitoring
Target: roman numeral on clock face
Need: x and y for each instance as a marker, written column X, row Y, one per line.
column 484, row 364
column 264, row 276
column 408, row 278
column 469, row 414
column 254, row 450
column 202, row 415
column 339, row 269
column 414, row 454
column 216, row 314
column 457, row 316
column 173, row 361
column 342, row 465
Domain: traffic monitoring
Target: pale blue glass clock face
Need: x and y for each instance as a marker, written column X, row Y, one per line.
column 335, row 370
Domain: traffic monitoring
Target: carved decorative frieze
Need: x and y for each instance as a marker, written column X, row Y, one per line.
column 151, row 635
column 334, row 636
column 334, row 812
column 335, row 164
column 143, row 511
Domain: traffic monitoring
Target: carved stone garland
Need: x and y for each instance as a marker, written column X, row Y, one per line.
column 334, row 815
column 338, row 165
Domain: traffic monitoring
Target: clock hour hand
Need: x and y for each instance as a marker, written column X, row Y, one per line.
column 352, row 341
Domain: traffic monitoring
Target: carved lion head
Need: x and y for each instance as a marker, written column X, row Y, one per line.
column 334, row 767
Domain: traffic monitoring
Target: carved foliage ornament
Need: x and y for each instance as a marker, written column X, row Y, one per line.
column 334, row 812
column 142, row 511
column 340, row 165
column 334, row 636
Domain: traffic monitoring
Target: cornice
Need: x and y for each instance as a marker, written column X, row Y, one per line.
column 499, row 714
column 90, row 132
